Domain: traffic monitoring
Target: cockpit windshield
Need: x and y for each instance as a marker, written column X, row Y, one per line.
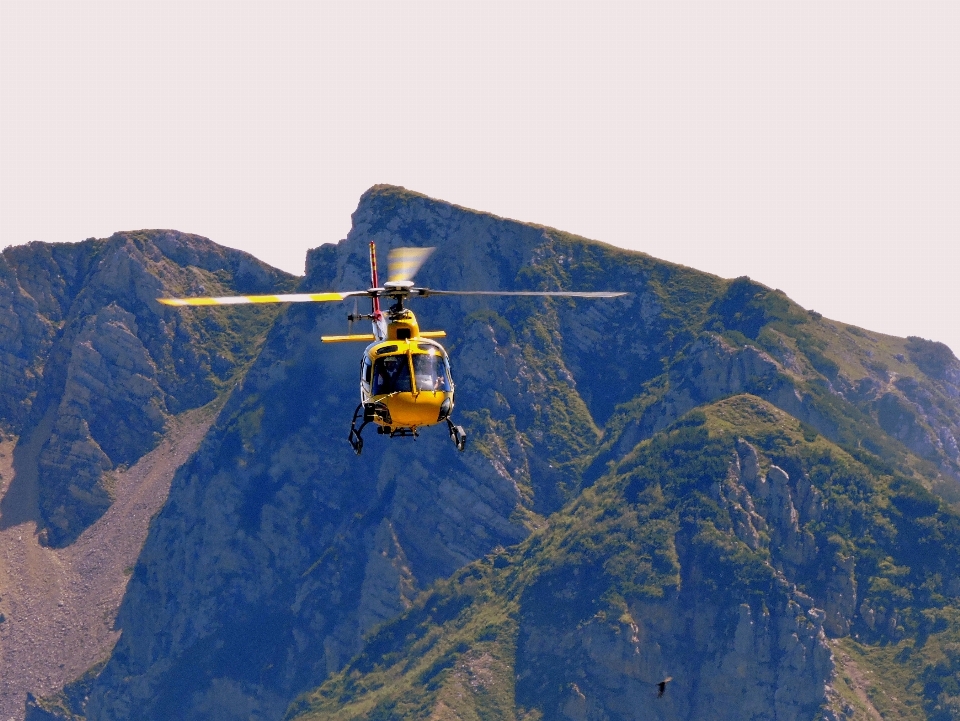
column 431, row 372
column 391, row 374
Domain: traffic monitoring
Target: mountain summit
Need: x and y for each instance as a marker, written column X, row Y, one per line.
column 700, row 480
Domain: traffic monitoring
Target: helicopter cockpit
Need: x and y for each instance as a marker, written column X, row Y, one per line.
column 405, row 384
column 390, row 374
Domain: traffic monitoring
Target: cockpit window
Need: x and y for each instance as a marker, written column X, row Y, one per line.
column 431, row 372
column 391, row 375
column 365, row 369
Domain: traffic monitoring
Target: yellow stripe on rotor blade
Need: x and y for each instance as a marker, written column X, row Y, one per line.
column 188, row 301
column 433, row 334
column 346, row 338
column 240, row 299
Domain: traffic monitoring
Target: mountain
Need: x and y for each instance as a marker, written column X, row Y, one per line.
column 699, row 480
column 103, row 393
column 699, row 558
column 92, row 367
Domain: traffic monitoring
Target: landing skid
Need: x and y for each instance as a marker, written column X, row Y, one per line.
column 356, row 440
column 457, row 434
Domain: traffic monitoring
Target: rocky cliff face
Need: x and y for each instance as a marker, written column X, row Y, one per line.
column 92, row 367
column 280, row 556
column 697, row 559
column 369, row 532
column 767, row 663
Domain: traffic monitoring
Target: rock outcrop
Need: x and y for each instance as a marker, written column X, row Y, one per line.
column 774, row 665
column 733, row 662
column 92, row 367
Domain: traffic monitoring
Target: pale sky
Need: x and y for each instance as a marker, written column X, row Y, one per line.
column 814, row 146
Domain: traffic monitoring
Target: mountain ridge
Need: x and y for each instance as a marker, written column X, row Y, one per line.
column 278, row 555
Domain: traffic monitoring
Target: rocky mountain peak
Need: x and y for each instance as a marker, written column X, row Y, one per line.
column 700, row 479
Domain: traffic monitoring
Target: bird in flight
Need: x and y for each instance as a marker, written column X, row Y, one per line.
column 662, row 686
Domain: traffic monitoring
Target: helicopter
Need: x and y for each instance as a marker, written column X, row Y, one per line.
column 405, row 378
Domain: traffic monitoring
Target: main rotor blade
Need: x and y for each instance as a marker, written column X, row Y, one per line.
column 563, row 293
column 403, row 263
column 289, row 298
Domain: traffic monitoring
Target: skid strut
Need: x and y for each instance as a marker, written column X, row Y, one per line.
column 458, row 435
column 356, row 440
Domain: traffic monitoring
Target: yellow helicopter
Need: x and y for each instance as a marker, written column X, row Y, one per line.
column 405, row 379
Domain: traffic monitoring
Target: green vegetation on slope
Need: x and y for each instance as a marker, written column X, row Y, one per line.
column 655, row 534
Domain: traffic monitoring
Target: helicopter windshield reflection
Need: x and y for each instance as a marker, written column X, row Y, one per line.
column 391, row 375
column 431, row 372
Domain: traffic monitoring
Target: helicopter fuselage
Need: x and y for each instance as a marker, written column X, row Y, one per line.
column 405, row 379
